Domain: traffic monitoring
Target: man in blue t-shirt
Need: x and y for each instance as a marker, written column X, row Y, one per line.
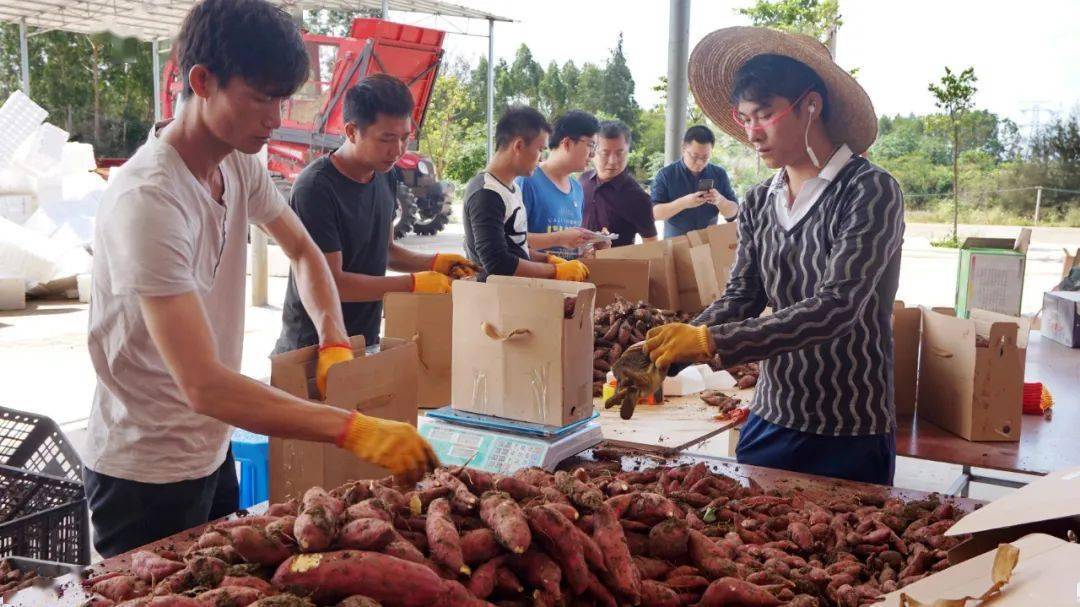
column 682, row 195
column 553, row 200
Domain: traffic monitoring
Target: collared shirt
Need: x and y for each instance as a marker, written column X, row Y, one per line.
column 789, row 213
column 620, row 205
column 675, row 181
column 827, row 350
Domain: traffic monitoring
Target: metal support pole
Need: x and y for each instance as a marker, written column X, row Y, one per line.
column 678, row 54
column 491, row 89
column 155, row 50
column 24, row 57
column 385, row 9
column 260, row 267
column 1038, row 203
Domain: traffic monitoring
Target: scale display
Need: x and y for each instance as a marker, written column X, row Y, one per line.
column 503, row 452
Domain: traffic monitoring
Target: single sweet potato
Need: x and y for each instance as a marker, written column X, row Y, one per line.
column 121, row 588
column 733, row 591
column 709, row 557
column 461, row 492
column 332, row 576
column 366, row 534
column 650, row 568
column 581, row 494
column 668, row 540
column 442, row 537
column 250, row 521
column 656, row 594
column 593, row 556
column 171, row 600
column 517, row 488
column 601, row 595
column 200, row 570
column 479, row 545
column 624, row 576
column 286, row 508
column 503, row 516
column 482, row 582
column 538, row 570
column 228, row 596
column 283, row 600
column 249, row 581
column 506, row 581
column 282, row 530
column 556, row 535
column 256, row 546
column 152, row 568
column 317, row 523
column 368, row 508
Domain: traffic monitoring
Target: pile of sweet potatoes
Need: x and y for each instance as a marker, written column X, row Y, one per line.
column 12, row 578
column 658, row 537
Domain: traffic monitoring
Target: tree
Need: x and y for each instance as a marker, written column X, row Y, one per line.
column 552, row 91
column 816, row 18
column 954, row 94
column 617, row 92
column 524, row 78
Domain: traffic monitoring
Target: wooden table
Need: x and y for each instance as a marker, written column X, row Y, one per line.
column 1044, row 445
column 679, row 422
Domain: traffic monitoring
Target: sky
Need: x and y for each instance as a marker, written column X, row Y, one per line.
column 1026, row 55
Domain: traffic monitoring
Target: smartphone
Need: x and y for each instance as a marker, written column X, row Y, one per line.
column 704, row 185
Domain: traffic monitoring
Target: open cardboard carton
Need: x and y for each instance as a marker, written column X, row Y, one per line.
column 381, row 384
column 990, row 275
column 974, row 392
column 907, row 335
column 425, row 319
column 1036, row 519
column 523, row 349
column 614, row 278
column 663, row 282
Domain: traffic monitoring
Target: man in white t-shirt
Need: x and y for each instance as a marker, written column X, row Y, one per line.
column 167, row 310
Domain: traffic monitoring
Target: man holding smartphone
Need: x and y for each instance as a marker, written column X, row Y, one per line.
column 690, row 193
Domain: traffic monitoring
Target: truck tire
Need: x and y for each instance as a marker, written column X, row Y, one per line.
column 405, row 213
column 433, row 210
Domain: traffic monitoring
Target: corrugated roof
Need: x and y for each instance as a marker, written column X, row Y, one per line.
column 160, row 19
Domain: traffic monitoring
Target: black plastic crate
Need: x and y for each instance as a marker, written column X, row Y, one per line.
column 43, row 517
column 36, row 443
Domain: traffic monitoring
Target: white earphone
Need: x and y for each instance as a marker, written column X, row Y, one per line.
column 806, row 138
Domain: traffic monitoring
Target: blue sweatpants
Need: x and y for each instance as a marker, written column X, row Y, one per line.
column 867, row 459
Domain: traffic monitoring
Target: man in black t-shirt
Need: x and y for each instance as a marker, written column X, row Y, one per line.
column 496, row 230
column 346, row 203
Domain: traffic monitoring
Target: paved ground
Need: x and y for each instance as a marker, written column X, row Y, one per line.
column 46, row 368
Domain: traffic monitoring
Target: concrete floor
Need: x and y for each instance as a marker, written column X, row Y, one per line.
column 46, row 368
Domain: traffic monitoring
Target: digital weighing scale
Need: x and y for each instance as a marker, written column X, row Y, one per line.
column 502, row 445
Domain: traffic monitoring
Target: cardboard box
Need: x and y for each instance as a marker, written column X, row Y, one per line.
column 427, row 320
column 971, row 391
column 626, row 278
column 1047, row 505
column 686, row 275
column 1061, row 317
column 723, row 242
column 663, row 284
column 516, row 353
column 382, row 384
column 1044, row 576
column 991, row 274
column 907, row 334
column 12, row 293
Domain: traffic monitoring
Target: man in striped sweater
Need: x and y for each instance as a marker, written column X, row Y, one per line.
column 819, row 243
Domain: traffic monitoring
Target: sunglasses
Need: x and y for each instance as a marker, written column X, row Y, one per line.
column 751, row 124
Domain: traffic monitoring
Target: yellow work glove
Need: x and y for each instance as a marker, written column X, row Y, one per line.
column 394, row 445
column 430, row 282
column 453, row 265
column 554, row 259
column 678, row 343
column 329, row 356
column 571, row 270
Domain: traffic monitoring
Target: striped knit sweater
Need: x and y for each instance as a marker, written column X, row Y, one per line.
column 826, row 352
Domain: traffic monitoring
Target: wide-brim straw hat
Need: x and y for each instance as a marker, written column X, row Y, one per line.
column 720, row 55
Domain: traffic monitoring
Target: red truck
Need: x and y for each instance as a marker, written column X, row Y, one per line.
column 312, row 125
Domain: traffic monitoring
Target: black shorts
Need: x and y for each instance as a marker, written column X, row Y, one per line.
column 128, row 514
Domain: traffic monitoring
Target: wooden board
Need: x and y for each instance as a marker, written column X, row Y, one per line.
column 679, row 422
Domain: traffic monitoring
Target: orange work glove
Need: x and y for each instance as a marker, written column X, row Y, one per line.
column 554, row 259
column 394, row 445
column 678, row 343
column 330, row 355
column 430, row 282
column 571, row 270
column 453, row 265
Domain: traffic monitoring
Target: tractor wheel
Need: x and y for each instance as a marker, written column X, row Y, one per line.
column 405, row 213
column 434, row 211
